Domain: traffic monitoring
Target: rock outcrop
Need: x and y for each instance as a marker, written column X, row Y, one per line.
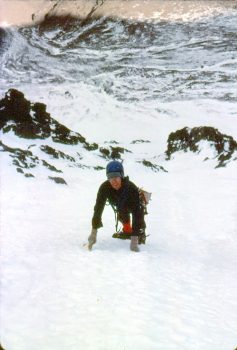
column 186, row 139
column 31, row 121
column 154, row 167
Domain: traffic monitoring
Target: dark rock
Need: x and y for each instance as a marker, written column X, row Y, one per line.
column 117, row 151
column 24, row 159
column 113, row 152
column 140, row 141
column 29, row 175
column 62, row 134
column 29, row 147
column 26, row 120
column 105, row 152
column 154, row 167
column 19, row 170
column 50, row 167
column 58, row 180
column 189, row 140
column 68, row 94
column 14, row 107
column 81, row 166
column 51, row 22
column 113, row 142
column 30, row 120
column 56, row 154
column 91, row 147
column 42, row 119
column 98, row 168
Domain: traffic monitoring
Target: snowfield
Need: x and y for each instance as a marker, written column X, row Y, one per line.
column 178, row 292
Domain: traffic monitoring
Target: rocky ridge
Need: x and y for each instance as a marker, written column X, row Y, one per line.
column 186, row 139
column 31, row 122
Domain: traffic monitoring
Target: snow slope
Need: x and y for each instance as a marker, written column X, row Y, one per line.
column 179, row 292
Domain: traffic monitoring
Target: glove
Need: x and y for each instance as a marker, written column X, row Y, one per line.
column 92, row 238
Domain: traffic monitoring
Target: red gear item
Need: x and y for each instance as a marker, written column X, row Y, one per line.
column 127, row 227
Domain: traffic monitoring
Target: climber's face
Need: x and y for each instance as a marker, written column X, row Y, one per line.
column 116, row 182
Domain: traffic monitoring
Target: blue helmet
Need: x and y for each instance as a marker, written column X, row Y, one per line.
column 114, row 169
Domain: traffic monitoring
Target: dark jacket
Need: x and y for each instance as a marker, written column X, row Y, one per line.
column 126, row 200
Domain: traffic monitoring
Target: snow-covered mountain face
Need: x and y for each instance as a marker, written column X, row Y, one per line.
column 103, row 77
column 22, row 119
column 160, row 94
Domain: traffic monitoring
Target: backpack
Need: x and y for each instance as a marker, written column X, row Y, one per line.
column 145, row 198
